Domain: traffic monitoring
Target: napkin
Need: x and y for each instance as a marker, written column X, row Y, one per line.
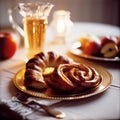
column 15, row 110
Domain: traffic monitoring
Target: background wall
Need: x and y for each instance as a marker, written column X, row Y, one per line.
column 100, row 11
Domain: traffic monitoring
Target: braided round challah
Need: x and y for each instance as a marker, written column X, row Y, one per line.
column 35, row 68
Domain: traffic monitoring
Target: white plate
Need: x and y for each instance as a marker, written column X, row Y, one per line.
column 75, row 50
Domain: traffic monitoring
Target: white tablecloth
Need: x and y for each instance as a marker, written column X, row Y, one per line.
column 101, row 106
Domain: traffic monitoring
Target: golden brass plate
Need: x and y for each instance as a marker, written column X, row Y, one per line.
column 52, row 94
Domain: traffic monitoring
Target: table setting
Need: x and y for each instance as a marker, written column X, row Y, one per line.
column 65, row 70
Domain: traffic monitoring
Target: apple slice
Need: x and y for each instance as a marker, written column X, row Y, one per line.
column 109, row 50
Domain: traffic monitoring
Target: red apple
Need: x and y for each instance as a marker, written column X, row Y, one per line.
column 109, row 50
column 92, row 48
column 8, row 45
column 86, row 38
column 106, row 40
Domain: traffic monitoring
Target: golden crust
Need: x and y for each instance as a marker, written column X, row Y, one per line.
column 36, row 66
column 66, row 76
column 74, row 78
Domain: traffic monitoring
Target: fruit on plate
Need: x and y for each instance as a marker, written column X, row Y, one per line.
column 106, row 46
column 106, row 40
column 8, row 45
column 90, row 44
column 109, row 50
column 86, row 38
column 83, row 40
column 92, row 48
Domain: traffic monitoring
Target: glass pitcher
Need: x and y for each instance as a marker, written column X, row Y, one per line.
column 34, row 22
